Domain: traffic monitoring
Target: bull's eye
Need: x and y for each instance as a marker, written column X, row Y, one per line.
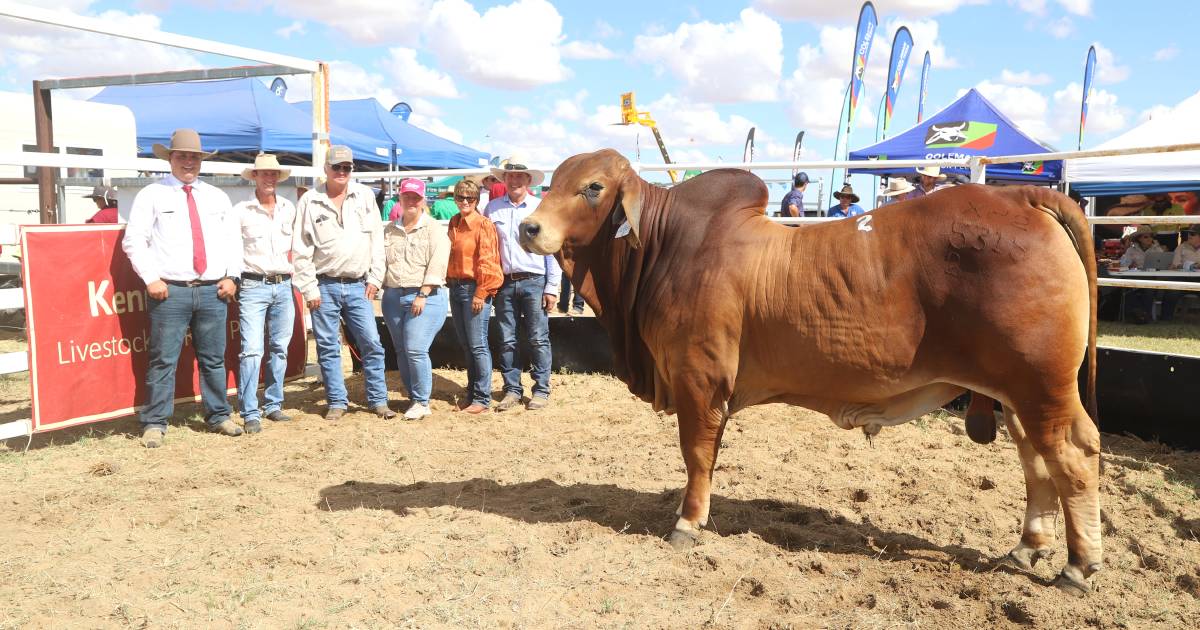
column 595, row 187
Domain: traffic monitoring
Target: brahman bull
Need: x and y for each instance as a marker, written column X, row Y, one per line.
column 873, row 320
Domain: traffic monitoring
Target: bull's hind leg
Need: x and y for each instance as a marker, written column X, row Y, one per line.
column 1041, row 502
column 1069, row 444
column 701, row 423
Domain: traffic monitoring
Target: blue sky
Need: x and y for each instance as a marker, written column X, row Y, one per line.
column 542, row 79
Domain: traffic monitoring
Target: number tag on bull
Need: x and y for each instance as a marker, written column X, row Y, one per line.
column 623, row 229
column 864, row 223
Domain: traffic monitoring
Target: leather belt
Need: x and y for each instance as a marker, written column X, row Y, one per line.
column 326, row 278
column 192, row 283
column 278, row 278
column 457, row 281
column 520, row 275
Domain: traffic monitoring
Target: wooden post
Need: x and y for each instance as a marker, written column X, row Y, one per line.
column 47, row 177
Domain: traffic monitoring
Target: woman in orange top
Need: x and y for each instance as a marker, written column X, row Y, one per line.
column 473, row 275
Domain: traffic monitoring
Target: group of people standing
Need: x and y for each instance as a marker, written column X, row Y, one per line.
column 930, row 178
column 197, row 252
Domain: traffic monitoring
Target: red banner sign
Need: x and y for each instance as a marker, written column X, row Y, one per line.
column 88, row 328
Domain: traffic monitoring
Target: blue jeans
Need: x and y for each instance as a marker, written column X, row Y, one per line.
column 270, row 306
column 412, row 335
column 472, row 332
column 565, row 300
column 522, row 300
column 200, row 309
column 348, row 302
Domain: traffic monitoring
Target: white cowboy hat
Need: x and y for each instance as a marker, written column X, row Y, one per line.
column 898, row 186
column 517, row 164
column 182, row 140
column 266, row 162
column 930, row 171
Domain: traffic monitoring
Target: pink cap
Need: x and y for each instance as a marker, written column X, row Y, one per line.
column 412, row 185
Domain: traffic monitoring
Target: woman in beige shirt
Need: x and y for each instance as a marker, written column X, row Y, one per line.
column 416, row 249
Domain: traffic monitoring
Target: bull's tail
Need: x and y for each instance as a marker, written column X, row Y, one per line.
column 1068, row 214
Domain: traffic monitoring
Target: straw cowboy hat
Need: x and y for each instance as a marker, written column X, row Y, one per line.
column 1138, row 231
column 100, row 191
column 517, row 164
column 898, row 186
column 846, row 191
column 182, row 140
column 930, row 171
column 266, row 162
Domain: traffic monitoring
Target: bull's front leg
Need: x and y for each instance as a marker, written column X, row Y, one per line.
column 701, row 424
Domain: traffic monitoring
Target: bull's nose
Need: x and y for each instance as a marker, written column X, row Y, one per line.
column 529, row 231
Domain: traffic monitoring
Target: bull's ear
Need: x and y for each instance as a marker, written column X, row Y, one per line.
column 628, row 214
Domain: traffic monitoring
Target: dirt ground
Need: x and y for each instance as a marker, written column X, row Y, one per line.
column 556, row 519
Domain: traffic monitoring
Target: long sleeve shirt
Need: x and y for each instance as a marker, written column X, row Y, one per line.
column 507, row 217
column 475, row 253
column 415, row 257
column 266, row 239
column 1185, row 253
column 158, row 237
column 1135, row 256
column 345, row 243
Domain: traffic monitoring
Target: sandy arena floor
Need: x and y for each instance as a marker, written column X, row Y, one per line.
column 555, row 519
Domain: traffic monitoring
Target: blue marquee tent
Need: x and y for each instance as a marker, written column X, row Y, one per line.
column 967, row 127
column 237, row 117
column 415, row 147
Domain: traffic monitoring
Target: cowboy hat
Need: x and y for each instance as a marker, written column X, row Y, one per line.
column 266, row 162
column 846, row 191
column 182, row 140
column 898, row 186
column 1141, row 230
column 517, row 164
column 100, row 191
column 930, row 171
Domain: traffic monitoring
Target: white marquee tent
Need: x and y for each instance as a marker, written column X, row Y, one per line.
column 1150, row 172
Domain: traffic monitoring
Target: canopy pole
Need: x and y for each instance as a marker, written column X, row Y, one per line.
column 47, row 177
column 978, row 170
column 320, row 113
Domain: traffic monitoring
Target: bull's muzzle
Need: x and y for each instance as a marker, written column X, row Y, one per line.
column 527, row 234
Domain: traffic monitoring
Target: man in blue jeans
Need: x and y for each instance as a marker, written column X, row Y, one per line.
column 267, row 309
column 338, row 256
column 530, row 288
column 183, row 242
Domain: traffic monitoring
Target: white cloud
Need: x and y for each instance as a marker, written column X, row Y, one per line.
column 413, row 79
column 604, row 30
column 1077, row 7
column 518, row 112
column 725, row 63
column 363, row 22
column 435, row 126
column 1025, row 77
column 32, row 51
column 514, row 46
column 1107, row 68
column 1027, row 108
column 1105, row 116
column 570, row 109
column 1060, row 28
column 1166, row 54
column 295, row 28
column 1036, row 7
column 586, row 50
column 825, row 11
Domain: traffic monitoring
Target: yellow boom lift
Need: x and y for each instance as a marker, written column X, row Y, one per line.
column 631, row 116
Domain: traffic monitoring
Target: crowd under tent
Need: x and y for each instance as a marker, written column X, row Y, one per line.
column 970, row 126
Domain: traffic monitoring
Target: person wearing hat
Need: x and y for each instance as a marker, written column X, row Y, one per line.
column 416, row 250
column 530, row 289
column 1140, row 302
column 793, row 202
column 183, row 241
column 338, row 256
column 266, row 311
column 929, row 178
column 897, row 188
column 847, row 203
column 1189, row 250
column 106, row 204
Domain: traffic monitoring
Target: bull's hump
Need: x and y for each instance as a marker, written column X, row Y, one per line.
column 722, row 190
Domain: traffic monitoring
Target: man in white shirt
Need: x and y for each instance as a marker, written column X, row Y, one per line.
column 266, row 225
column 338, row 254
column 184, row 243
column 530, row 289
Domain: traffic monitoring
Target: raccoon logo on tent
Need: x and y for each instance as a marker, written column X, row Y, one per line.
column 966, row 134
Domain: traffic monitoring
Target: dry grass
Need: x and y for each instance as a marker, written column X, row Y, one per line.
column 1168, row 337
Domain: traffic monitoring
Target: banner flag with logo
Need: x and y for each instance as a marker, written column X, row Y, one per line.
column 1089, row 73
column 87, row 317
column 865, row 36
column 902, row 44
column 924, row 89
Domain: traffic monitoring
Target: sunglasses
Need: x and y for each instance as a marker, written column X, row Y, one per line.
column 341, row 168
column 460, row 198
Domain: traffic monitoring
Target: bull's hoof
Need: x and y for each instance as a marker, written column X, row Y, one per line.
column 1024, row 558
column 981, row 427
column 682, row 540
column 1071, row 585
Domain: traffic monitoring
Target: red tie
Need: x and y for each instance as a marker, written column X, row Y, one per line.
column 199, row 260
